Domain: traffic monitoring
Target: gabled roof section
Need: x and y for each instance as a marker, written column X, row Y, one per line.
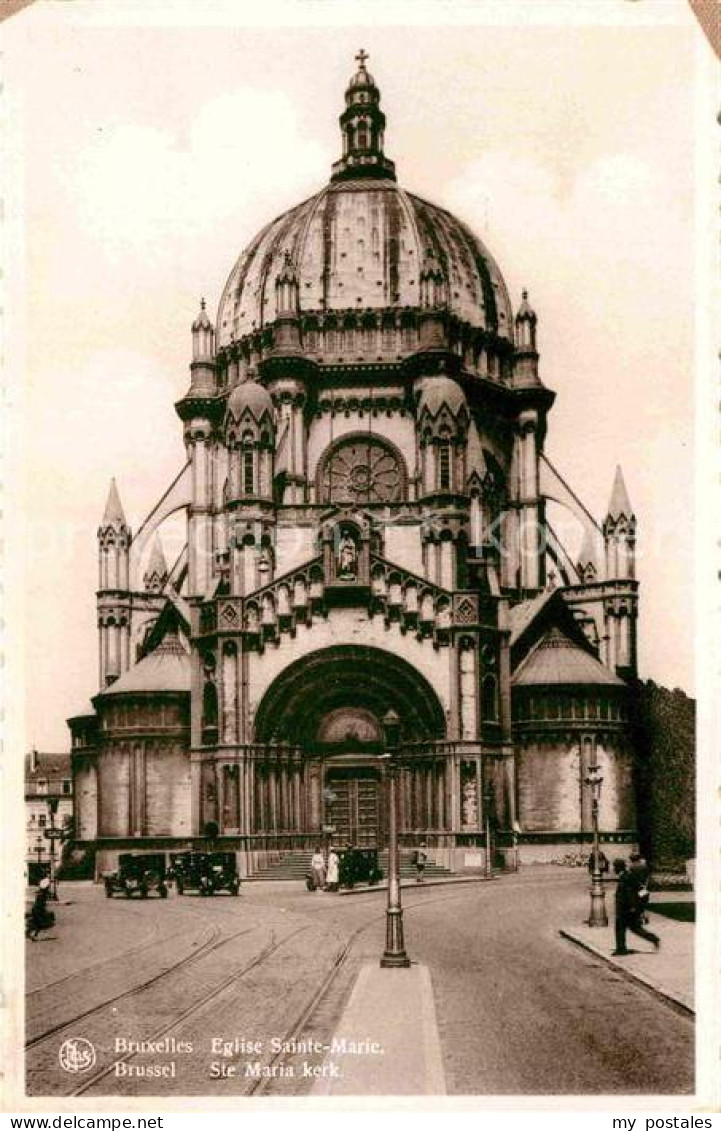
column 531, row 620
column 556, row 660
column 41, row 767
column 523, row 614
column 174, row 620
column 165, row 669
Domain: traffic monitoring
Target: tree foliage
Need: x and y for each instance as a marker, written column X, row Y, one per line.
column 665, row 726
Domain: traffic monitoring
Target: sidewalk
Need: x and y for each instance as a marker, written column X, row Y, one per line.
column 668, row 972
column 413, row 885
column 399, row 1050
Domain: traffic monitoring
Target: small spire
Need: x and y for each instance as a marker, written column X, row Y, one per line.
column 620, row 504
column 202, row 322
column 156, row 574
column 525, row 310
column 587, row 558
column 113, row 515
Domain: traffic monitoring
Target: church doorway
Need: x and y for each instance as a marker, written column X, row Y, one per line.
column 353, row 797
column 320, row 736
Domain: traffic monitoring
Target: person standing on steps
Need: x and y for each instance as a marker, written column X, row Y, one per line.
column 629, row 912
column 420, row 857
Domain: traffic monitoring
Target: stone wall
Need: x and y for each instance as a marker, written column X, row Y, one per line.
column 167, row 789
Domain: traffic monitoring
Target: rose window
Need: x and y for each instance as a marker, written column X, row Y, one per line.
column 362, row 471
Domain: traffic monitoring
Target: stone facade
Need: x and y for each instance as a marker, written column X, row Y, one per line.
column 365, row 493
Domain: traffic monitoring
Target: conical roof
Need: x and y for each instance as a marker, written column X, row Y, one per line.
column 113, row 515
column 166, row 668
column 620, row 503
column 157, row 565
column 557, row 660
column 588, row 553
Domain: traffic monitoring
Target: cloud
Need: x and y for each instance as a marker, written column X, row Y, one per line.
column 141, row 187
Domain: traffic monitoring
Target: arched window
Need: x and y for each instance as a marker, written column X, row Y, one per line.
column 210, row 713
column 248, row 470
column 489, row 698
column 444, row 466
column 361, row 469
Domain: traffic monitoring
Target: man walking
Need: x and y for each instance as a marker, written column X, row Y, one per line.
column 638, row 869
column 628, row 910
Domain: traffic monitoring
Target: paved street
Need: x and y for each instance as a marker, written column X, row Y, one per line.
column 518, row 1008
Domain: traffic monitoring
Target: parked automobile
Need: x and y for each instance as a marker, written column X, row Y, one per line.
column 359, row 866
column 206, row 872
column 137, row 875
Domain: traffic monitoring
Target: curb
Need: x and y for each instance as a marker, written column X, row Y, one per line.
column 632, row 975
column 413, row 886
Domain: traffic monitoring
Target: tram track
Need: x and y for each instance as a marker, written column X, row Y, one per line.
column 211, row 943
column 320, row 1010
column 271, row 948
column 93, row 967
column 266, row 1085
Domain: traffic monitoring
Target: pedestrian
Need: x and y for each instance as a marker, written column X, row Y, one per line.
column 39, row 918
column 638, row 868
column 317, row 867
column 332, row 874
column 420, row 857
column 628, row 910
column 603, row 864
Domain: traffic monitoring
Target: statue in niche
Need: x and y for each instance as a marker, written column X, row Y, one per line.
column 469, row 791
column 347, row 556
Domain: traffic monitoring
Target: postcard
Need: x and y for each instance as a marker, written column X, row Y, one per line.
column 360, row 478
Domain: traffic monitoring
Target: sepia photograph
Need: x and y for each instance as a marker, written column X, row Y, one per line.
column 353, row 541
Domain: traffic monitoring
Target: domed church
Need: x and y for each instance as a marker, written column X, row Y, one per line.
column 366, row 488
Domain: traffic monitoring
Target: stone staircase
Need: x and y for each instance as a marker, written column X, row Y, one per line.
column 295, row 865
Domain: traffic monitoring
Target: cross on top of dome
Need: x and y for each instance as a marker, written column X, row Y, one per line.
column 362, row 124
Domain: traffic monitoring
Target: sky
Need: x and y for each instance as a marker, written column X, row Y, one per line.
column 145, row 157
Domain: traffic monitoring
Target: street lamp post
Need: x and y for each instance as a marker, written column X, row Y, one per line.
column 487, row 802
column 597, row 916
column 394, row 954
column 53, row 803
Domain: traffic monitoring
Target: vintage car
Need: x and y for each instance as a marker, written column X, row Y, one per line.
column 206, row 872
column 359, row 866
column 137, row 875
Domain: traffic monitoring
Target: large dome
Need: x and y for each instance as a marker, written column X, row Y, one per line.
column 363, row 243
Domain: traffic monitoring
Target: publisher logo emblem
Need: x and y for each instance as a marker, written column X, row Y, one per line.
column 76, row 1055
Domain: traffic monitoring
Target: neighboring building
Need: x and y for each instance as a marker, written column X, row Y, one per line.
column 48, row 779
column 365, row 487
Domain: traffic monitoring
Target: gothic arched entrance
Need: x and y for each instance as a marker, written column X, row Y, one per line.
column 330, row 705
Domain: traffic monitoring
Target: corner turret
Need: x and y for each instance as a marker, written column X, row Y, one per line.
column 114, row 538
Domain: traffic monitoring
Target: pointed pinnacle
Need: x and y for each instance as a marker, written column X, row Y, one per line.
column 620, row 503
column 113, row 508
column 157, row 563
column 587, row 554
